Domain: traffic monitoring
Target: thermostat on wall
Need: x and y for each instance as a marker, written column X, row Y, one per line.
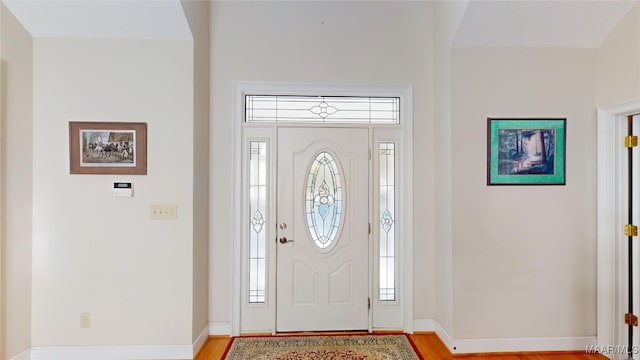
column 122, row 189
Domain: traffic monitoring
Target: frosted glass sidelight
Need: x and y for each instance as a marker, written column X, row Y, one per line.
column 324, row 199
column 387, row 222
column 257, row 211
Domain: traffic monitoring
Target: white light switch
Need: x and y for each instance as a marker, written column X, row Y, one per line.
column 85, row 320
column 164, row 211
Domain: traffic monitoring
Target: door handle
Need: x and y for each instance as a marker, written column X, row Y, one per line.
column 284, row 240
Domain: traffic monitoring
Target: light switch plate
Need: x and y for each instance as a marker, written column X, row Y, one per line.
column 85, row 320
column 164, row 211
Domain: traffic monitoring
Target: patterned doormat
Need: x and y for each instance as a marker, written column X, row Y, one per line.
column 321, row 347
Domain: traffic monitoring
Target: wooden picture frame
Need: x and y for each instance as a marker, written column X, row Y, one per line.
column 116, row 148
column 526, row 151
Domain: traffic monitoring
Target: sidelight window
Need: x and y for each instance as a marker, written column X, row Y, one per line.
column 257, row 220
column 387, row 213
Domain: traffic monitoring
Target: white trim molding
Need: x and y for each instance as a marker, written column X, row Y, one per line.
column 424, row 325
column 431, row 325
column 610, row 170
column 466, row 346
column 220, row 329
column 164, row 352
column 120, row 352
column 160, row 352
column 200, row 340
column 444, row 336
column 25, row 355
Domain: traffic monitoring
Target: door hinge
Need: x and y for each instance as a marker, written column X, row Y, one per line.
column 630, row 141
column 630, row 230
column 369, row 228
column 630, row 319
column 369, row 306
column 370, row 153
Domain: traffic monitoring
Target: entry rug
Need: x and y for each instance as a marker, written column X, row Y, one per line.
column 321, row 347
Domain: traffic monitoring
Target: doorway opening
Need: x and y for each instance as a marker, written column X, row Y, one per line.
column 618, row 210
column 308, row 254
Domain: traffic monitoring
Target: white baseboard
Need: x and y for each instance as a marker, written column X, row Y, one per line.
column 167, row 352
column 444, row 336
column 434, row 325
column 25, row 355
column 220, row 329
column 200, row 340
column 424, row 325
column 466, row 346
column 159, row 352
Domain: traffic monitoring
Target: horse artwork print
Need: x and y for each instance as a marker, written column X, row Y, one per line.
column 526, row 151
column 107, row 148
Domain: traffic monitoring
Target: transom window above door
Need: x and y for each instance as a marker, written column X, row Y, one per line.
column 322, row 109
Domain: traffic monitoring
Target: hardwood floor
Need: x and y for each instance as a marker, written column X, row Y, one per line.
column 214, row 348
column 429, row 346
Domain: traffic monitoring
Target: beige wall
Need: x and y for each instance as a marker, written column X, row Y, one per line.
column 529, row 252
column 16, row 95
column 320, row 42
column 618, row 62
column 448, row 15
column 524, row 262
column 94, row 252
column 197, row 13
column 484, row 255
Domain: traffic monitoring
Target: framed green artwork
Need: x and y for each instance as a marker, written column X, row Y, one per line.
column 526, row 151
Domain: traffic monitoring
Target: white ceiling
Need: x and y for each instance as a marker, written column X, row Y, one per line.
column 534, row 23
column 102, row 19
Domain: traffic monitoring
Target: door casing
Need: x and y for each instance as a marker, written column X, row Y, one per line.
column 611, row 129
column 405, row 183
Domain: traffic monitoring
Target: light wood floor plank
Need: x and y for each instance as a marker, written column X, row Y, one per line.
column 429, row 346
column 214, row 348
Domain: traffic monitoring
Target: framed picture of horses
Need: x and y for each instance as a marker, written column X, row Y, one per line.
column 526, row 151
column 118, row 148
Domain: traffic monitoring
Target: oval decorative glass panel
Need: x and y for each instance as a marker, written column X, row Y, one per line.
column 323, row 199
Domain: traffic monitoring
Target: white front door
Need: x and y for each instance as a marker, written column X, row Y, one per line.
column 323, row 237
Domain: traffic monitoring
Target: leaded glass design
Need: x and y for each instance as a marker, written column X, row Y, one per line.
column 257, row 211
column 387, row 161
column 322, row 109
column 323, row 199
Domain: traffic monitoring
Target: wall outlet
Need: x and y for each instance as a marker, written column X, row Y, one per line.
column 164, row 211
column 85, row 320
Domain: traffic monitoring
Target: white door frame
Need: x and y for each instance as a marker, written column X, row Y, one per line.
column 405, row 182
column 611, row 218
